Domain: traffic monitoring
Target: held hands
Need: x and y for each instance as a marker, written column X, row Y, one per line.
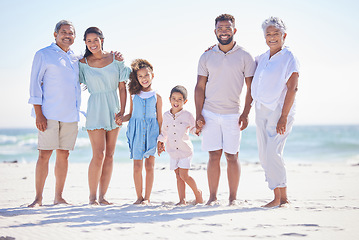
column 118, row 56
column 119, row 119
column 281, row 125
column 200, row 122
column 243, row 122
column 160, row 147
column 41, row 122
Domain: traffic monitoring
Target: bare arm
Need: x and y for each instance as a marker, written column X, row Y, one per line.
column 159, row 111
column 199, row 96
column 127, row 117
column 243, row 119
column 123, row 98
column 292, row 88
column 41, row 121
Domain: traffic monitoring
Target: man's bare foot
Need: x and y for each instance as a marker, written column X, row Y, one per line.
column 139, row 200
column 104, row 202
column 212, row 202
column 199, row 198
column 145, row 202
column 60, row 201
column 94, row 202
column 181, row 203
column 274, row 203
column 233, row 202
column 36, row 203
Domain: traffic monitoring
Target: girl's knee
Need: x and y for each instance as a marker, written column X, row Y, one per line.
column 137, row 166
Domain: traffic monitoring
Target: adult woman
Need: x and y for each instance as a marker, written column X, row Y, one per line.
column 102, row 75
column 273, row 89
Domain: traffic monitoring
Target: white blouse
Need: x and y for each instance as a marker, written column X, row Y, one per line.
column 269, row 82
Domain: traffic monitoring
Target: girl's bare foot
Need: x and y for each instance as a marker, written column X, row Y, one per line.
column 199, row 198
column 181, row 203
column 139, row 201
column 36, row 203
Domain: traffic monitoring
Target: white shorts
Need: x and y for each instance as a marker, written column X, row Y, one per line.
column 184, row 163
column 221, row 131
column 58, row 135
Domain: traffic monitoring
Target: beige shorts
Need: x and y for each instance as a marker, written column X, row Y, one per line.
column 58, row 135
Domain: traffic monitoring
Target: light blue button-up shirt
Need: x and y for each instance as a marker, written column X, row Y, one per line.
column 55, row 85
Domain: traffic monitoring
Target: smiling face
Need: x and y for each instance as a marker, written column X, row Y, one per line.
column 145, row 76
column 93, row 42
column 274, row 38
column 65, row 37
column 177, row 101
column 224, row 32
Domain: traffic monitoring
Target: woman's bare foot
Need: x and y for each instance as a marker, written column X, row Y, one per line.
column 94, row 202
column 139, row 200
column 104, row 202
column 35, row 203
column 199, row 198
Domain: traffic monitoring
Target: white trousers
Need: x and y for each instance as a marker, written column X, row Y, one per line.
column 271, row 145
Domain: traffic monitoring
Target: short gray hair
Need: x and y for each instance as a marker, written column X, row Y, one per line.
column 275, row 22
column 63, row 22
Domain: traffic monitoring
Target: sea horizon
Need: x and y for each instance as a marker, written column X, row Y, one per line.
column 306, row 143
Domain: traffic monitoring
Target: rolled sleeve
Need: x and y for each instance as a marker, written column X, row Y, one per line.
column 37, row 74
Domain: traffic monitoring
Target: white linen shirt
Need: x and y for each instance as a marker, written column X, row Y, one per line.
column 269, row 84
column 175, row 133
column 55, row 85
column 225, row 74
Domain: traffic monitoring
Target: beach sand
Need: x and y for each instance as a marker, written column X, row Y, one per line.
column 324, row 205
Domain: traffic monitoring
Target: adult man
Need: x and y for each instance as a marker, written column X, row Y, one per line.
column 56, row 94
column 221, row 74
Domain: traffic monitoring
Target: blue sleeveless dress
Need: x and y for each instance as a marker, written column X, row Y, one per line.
column 102, row 84
column 143, row 129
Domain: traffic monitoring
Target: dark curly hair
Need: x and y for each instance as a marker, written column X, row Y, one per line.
column 134, row 86
column 225, row 17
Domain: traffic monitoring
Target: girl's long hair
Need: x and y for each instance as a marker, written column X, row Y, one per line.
column 99, row 34
column 134, row 86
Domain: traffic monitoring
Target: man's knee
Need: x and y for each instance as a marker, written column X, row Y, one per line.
column 231, row 158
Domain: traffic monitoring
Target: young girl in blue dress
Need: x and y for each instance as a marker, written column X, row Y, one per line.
column 145, row 119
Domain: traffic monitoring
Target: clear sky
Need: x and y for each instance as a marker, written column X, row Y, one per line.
column 173, row 34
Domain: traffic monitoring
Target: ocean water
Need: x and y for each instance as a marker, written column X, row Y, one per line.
column 305, row 144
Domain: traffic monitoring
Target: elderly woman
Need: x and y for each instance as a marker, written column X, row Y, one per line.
column 274, row 87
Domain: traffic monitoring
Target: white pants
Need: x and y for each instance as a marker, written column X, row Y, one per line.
column 271, row 145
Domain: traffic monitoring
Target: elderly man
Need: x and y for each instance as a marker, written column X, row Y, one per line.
column 222, row 72
column 56, row 94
